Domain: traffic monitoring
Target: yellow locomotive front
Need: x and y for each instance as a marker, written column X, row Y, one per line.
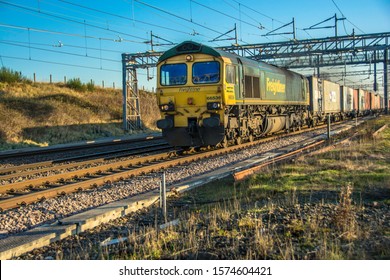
column 190, row 95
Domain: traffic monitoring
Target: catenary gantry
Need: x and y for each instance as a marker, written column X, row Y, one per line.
column 311, row 53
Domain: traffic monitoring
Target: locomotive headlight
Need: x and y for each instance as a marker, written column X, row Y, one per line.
column 213, row 106
column 189, row 58
column 167, row 107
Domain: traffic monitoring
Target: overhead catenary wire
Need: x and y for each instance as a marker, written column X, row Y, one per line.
column 227, row 15
column 57, row 51
column 177, row 16
column 262, row 14
column 241, row 12
column 123, row 17
column 71, row 20
column 62, row 45
column 261, row 26
column 176, row 23
column 65, row 33
column 61, row 63
column 347, row 19
column 269, row 17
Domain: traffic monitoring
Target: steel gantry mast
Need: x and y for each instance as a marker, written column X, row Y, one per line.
column 131, row 102
column 311, row 53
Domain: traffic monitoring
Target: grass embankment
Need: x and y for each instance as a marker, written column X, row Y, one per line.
column 42, row 114
column 333, row 205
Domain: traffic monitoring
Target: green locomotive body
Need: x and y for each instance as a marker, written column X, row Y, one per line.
column 209, row 97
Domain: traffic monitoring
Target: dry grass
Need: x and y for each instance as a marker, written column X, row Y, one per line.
column 41, row 114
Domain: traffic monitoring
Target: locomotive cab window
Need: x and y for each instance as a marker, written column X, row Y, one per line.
column 205, row 72
column 230, row 74
column 173, row 74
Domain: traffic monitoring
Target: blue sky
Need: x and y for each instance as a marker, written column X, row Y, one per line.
column 74, row 39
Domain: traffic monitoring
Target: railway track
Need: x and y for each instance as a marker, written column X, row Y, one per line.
column 73, row 147
column 29, row 191
column 90, row 219
column 70, row 162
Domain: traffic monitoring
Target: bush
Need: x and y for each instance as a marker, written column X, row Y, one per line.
column 76, row 84
column 9, row 76
column 90, row 86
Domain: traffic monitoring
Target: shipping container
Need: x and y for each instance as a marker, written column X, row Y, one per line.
column 316, row 101
column 347, row 99
column 325, row 96
column 356, row 100
column 375, row 101
column 367, row 101
column 361, row 100
column 332, row 97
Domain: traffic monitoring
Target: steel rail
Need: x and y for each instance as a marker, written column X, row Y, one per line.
column 153, row 164
column 118, row 171
column 134, row 151
column 72, row 147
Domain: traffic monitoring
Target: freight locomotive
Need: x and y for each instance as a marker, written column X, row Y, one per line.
column 209, row 97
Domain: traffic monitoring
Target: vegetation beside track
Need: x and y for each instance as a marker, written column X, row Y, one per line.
column 331, row 205
column 43, row 114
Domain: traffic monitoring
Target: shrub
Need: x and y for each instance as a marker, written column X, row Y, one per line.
column 90, row 86
column 76, row 84
column 9, row 76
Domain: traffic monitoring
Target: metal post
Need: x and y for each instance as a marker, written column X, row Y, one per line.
column 51, row 78
column 151, row 40
column 235, row 33
column 164, row 197
column 386, row 81
column 293, row 23
column 34, row 77
column 318, row 65
column 328, row 127
column 124, row 92
column 375, row 78
column 160, row 194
